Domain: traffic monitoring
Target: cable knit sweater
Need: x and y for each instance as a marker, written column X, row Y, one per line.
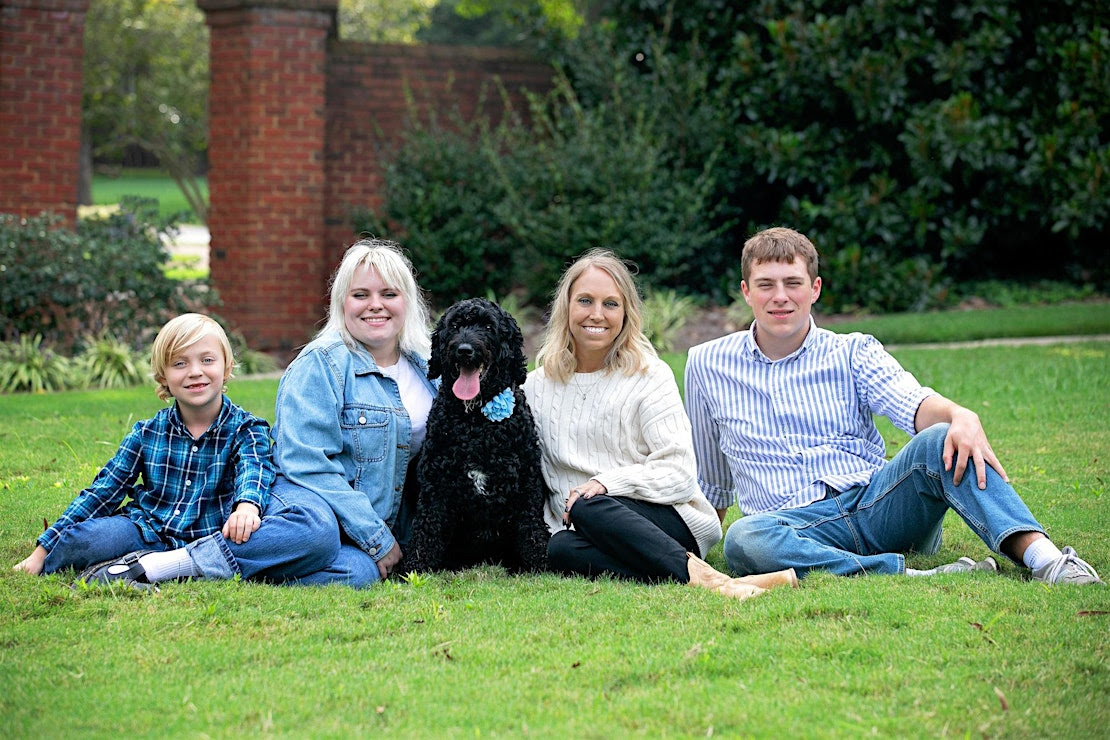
column 629, row 433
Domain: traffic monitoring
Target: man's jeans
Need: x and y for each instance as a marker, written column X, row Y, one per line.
column 865, row 529
column 296, row 544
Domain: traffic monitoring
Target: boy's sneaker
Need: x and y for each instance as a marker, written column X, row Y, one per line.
column 125, row 571
column 1068, row 568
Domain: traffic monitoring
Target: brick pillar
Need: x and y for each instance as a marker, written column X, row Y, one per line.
column 42, row 44
column 266, row 165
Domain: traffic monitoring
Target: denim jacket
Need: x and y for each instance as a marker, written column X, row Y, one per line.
column 341, row 431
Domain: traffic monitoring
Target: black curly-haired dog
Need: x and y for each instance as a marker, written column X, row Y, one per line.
column 481, row 491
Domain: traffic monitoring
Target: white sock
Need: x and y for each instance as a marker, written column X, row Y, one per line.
column 916, row 572
column 165, row 566
column 1040, row 553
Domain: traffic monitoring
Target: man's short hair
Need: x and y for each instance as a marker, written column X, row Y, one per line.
column 778, row 244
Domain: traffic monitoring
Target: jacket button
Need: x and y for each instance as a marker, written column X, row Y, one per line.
column 362, row 420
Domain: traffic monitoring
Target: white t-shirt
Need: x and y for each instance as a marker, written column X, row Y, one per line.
column 414, row 395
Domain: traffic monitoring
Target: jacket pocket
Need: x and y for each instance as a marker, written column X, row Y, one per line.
column 365, row 429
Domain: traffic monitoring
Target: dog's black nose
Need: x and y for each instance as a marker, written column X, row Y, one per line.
column 465, row 351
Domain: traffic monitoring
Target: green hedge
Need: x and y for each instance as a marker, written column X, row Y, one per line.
column 103, row 277
column 493, row 209
column 918, row 144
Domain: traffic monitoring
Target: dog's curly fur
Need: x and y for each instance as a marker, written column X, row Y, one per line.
column 481, row 491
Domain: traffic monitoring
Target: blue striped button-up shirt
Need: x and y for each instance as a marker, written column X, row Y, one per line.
column 189, row 486
column 773, row 434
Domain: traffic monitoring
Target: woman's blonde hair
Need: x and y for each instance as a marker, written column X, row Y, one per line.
column 175, row 337
column 630, row 349
column 397, row 272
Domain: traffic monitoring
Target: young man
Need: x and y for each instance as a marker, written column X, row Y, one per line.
column 782, row 422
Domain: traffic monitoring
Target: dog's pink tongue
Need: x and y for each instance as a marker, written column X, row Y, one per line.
column 467, row 386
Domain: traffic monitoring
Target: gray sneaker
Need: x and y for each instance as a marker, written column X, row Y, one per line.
column 966, row 564
column 962, row 565
column 1068, row 568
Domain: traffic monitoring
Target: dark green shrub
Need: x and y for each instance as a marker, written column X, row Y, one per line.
column 489, row 209
column 105, row 276
column 929, row 143
column 438, row 202
column 918, row 145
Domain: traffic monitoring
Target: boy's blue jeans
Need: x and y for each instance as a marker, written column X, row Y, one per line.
column 867, row 528
column 94, row 541
column 296, row 544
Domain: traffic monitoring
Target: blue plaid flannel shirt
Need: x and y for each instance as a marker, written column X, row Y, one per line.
column 189, row 486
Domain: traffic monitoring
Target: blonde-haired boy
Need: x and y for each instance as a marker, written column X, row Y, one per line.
column 205, row 466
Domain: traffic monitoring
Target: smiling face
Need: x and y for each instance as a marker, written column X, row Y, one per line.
column 596, row 315
column 195, row 377
column 374, row 314
column 781, row 295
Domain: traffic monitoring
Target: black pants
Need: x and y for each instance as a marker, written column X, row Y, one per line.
column 625, row 538
column 402, row 529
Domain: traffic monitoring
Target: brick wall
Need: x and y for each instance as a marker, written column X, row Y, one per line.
column 298, row 121
column 370, row 91
column 41, row 52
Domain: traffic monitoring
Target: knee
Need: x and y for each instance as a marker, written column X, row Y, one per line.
column 562, row 553
column 748, row 545
column 363, row 575
column 587, row 511
column 930, row 439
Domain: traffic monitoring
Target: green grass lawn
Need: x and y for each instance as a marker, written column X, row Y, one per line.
column 479, row 653
column 1075, row 318
column 146, row 183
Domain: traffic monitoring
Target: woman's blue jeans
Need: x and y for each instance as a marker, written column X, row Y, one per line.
column 297, row 543
column 867, row 528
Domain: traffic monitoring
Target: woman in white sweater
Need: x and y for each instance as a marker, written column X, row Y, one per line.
column 618, row 458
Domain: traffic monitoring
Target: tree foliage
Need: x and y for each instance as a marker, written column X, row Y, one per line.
column 917, row 144
column 384, row 21
column 146, row 85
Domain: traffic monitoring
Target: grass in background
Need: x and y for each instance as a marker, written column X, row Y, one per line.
column 480, row 653
column 185, row 267
column 147, row 183
column 1086, row 318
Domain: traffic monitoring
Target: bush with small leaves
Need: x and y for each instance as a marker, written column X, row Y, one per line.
column 106, row 275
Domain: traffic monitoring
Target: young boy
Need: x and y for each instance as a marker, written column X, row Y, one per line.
column 205, row 466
